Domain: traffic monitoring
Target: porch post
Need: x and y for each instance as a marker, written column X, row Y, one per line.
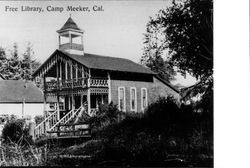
column 81, row 100
column 57, row 94
column 70, row 107
column 109, row 87
column 76, row 71
column 73, row 101
column 88, row 99
column 66, row 70
column 83, row 76
column 44, row 94
column 57, row 74
column 61, row 70
column 57, row 102
column 88, row 93
column 71, row 71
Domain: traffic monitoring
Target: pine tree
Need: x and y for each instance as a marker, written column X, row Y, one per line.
column 3, row 63
column 28, row 63
column 14, row 67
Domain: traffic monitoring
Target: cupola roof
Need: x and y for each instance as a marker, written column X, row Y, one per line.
column 70, row 24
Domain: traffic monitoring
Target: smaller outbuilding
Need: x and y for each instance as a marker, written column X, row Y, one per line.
column 21, row 98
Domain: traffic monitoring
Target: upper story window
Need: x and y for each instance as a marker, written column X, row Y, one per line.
column 144, row 99
column 133, row 100
column 121, row 99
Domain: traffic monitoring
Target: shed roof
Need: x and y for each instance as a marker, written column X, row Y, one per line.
column 17, row 91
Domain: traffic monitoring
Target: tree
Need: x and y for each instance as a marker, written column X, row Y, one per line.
column 13, row 67
column 153, row 51
column 186, row 30
column 14, row 64
column 28, row 64
column 3, row 63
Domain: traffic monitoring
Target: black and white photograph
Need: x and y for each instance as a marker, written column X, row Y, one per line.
column 107, row 83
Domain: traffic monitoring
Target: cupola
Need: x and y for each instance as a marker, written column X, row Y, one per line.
column 71, row 38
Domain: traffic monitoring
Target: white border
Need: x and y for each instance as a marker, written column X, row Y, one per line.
column 231, row 84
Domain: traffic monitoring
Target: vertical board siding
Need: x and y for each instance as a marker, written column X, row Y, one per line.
column 154, row 90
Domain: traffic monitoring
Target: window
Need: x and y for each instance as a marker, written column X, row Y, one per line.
column 133, row 99
column 52, row 106
column 121, row 99
column 144, row 100
column 61, row 103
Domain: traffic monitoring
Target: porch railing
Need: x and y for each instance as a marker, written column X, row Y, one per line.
column 46, row 124
column 98, row 82
column 70, row 115
column 76, row 83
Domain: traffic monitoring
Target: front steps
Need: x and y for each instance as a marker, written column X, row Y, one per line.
column 51, row 122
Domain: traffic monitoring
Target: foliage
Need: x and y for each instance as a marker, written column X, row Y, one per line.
column 29, row 64
column 183, row 32
column 105, row 115
column 15, row 67
column 164, row 129
column 188, row 35
column 17, row 155
column 16, row 131
column 39, row 119
column 153, row 53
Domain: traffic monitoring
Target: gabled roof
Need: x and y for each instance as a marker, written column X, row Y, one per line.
column 93, row 61
column 70, row 24
column 17, row 91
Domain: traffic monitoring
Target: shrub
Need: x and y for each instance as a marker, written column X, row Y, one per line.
column 39, row 119
column 16, row 131
column 16, row 155
column 106, row 114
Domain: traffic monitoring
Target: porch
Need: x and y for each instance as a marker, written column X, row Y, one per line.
column 71, row 106
column 76, row 88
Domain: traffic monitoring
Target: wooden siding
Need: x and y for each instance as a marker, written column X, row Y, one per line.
column 154, row 90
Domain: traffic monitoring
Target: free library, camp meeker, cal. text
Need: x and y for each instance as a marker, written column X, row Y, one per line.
column 49, row 8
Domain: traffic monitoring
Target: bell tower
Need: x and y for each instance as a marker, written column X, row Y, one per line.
column 71, row 38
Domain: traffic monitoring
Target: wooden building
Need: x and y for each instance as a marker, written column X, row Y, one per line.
column 81, row 81
column 22, row 99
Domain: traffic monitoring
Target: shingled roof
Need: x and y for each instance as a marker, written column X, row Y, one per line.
column 108, row 63
column 70, row 24
column 16, row 91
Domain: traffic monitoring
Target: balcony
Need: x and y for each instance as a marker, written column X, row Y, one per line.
column 76, row 83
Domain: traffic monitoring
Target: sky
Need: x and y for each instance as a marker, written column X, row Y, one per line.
column 116, row 30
